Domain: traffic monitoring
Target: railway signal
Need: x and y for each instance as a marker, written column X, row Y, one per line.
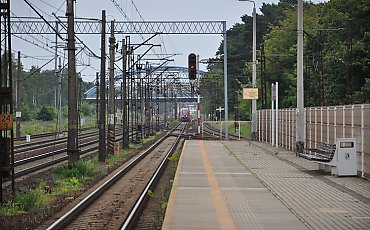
column 192, row 65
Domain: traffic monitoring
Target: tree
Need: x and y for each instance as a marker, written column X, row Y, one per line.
column 47, row 113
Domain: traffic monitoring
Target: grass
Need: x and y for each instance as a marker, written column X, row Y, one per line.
column 66, row 179
column 28, row 201
column 245, row 128
column 166, row 193
column 38, row 127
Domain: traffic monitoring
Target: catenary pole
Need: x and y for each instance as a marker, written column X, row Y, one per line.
column 97, row 98
column 72, row 144
column 111, row 112
column 59, row 128
column 225, row 82
column 125, row 142
column 102, row 147
column 18, row 100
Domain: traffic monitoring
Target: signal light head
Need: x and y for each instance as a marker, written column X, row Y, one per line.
column 192, row 63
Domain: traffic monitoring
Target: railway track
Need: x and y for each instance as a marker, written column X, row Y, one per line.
column 24, row 147
column 117, row 202
column 50, row 153
column 214, row 134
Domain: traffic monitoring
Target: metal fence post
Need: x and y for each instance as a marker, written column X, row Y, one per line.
column 310, row 114
column 362, row 140
column 335, row 123
column 315, row 127
column 344, row 121
column 352, row 121
column 327, row 124
column 321, row 123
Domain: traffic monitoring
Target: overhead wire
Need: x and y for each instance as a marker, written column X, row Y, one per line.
column 36, row 9
column 120, row 9
column 55, row 8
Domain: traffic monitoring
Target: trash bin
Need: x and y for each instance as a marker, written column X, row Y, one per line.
column 346, row 157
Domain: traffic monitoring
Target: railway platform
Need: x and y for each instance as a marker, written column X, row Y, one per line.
column 252, row 185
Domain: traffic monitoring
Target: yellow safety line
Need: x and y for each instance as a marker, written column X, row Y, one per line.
column 223, row 213
column 171, row 201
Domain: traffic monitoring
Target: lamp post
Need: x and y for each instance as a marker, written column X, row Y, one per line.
column 254, row 71
column 300, row 123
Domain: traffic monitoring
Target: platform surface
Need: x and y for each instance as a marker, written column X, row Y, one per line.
column 214, row 189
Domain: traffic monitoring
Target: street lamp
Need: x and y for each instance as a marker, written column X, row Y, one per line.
column 254, row 73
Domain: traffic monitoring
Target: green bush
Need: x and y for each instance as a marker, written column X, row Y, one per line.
column 87, row 109
column 81, row 170
column 27, row 201
column 47, row 113
column 27, row 113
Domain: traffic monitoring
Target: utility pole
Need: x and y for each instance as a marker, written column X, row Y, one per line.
column 18, row 100
column 102, row 147
column 72, row 145
column 60, row 97
column 6, row 102
column 300, row 125
column 125, row 142
column 225, row 83
column 198, row 95
column 111, row 112
column 56, row 64
column 97, row 98
column 254, row 75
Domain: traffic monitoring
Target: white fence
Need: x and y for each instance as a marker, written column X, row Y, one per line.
column 322, row 124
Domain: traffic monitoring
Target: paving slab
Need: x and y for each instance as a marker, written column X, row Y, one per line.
column 213, row 189
column 321, row 201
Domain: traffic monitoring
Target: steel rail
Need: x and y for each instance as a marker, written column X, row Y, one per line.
column 54, row 161
column 70, row 215
column 139, row 206
column 47, row 143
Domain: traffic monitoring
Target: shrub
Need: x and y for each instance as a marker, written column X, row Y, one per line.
column 47, row 113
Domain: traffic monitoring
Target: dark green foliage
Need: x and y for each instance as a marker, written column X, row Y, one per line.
column 336, row 56
column 46, row 113
column 27, row 113
column 38, row 89
column 28, row 201
column 87, row 109
column 81, row 170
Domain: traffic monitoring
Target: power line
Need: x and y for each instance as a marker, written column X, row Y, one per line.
column 55, row 8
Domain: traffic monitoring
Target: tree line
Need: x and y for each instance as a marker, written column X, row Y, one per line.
column 38, row 92
column 336, row 57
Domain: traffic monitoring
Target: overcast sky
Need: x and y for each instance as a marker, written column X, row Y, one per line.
column 160, row 10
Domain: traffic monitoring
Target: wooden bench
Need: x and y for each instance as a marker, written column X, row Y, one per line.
column 324, row 153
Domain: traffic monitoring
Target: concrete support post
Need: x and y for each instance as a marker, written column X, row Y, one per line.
column 97, row 98
column 125, row 142
column 225, row 83
column 254, row 75
column 111, row 110
column 18, row 100
column 102, row 146
column 300, row 125
column 59, row 128
column 72, row 144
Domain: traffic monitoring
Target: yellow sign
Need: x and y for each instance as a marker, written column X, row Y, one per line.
column 6, row 121
column 250, row 93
